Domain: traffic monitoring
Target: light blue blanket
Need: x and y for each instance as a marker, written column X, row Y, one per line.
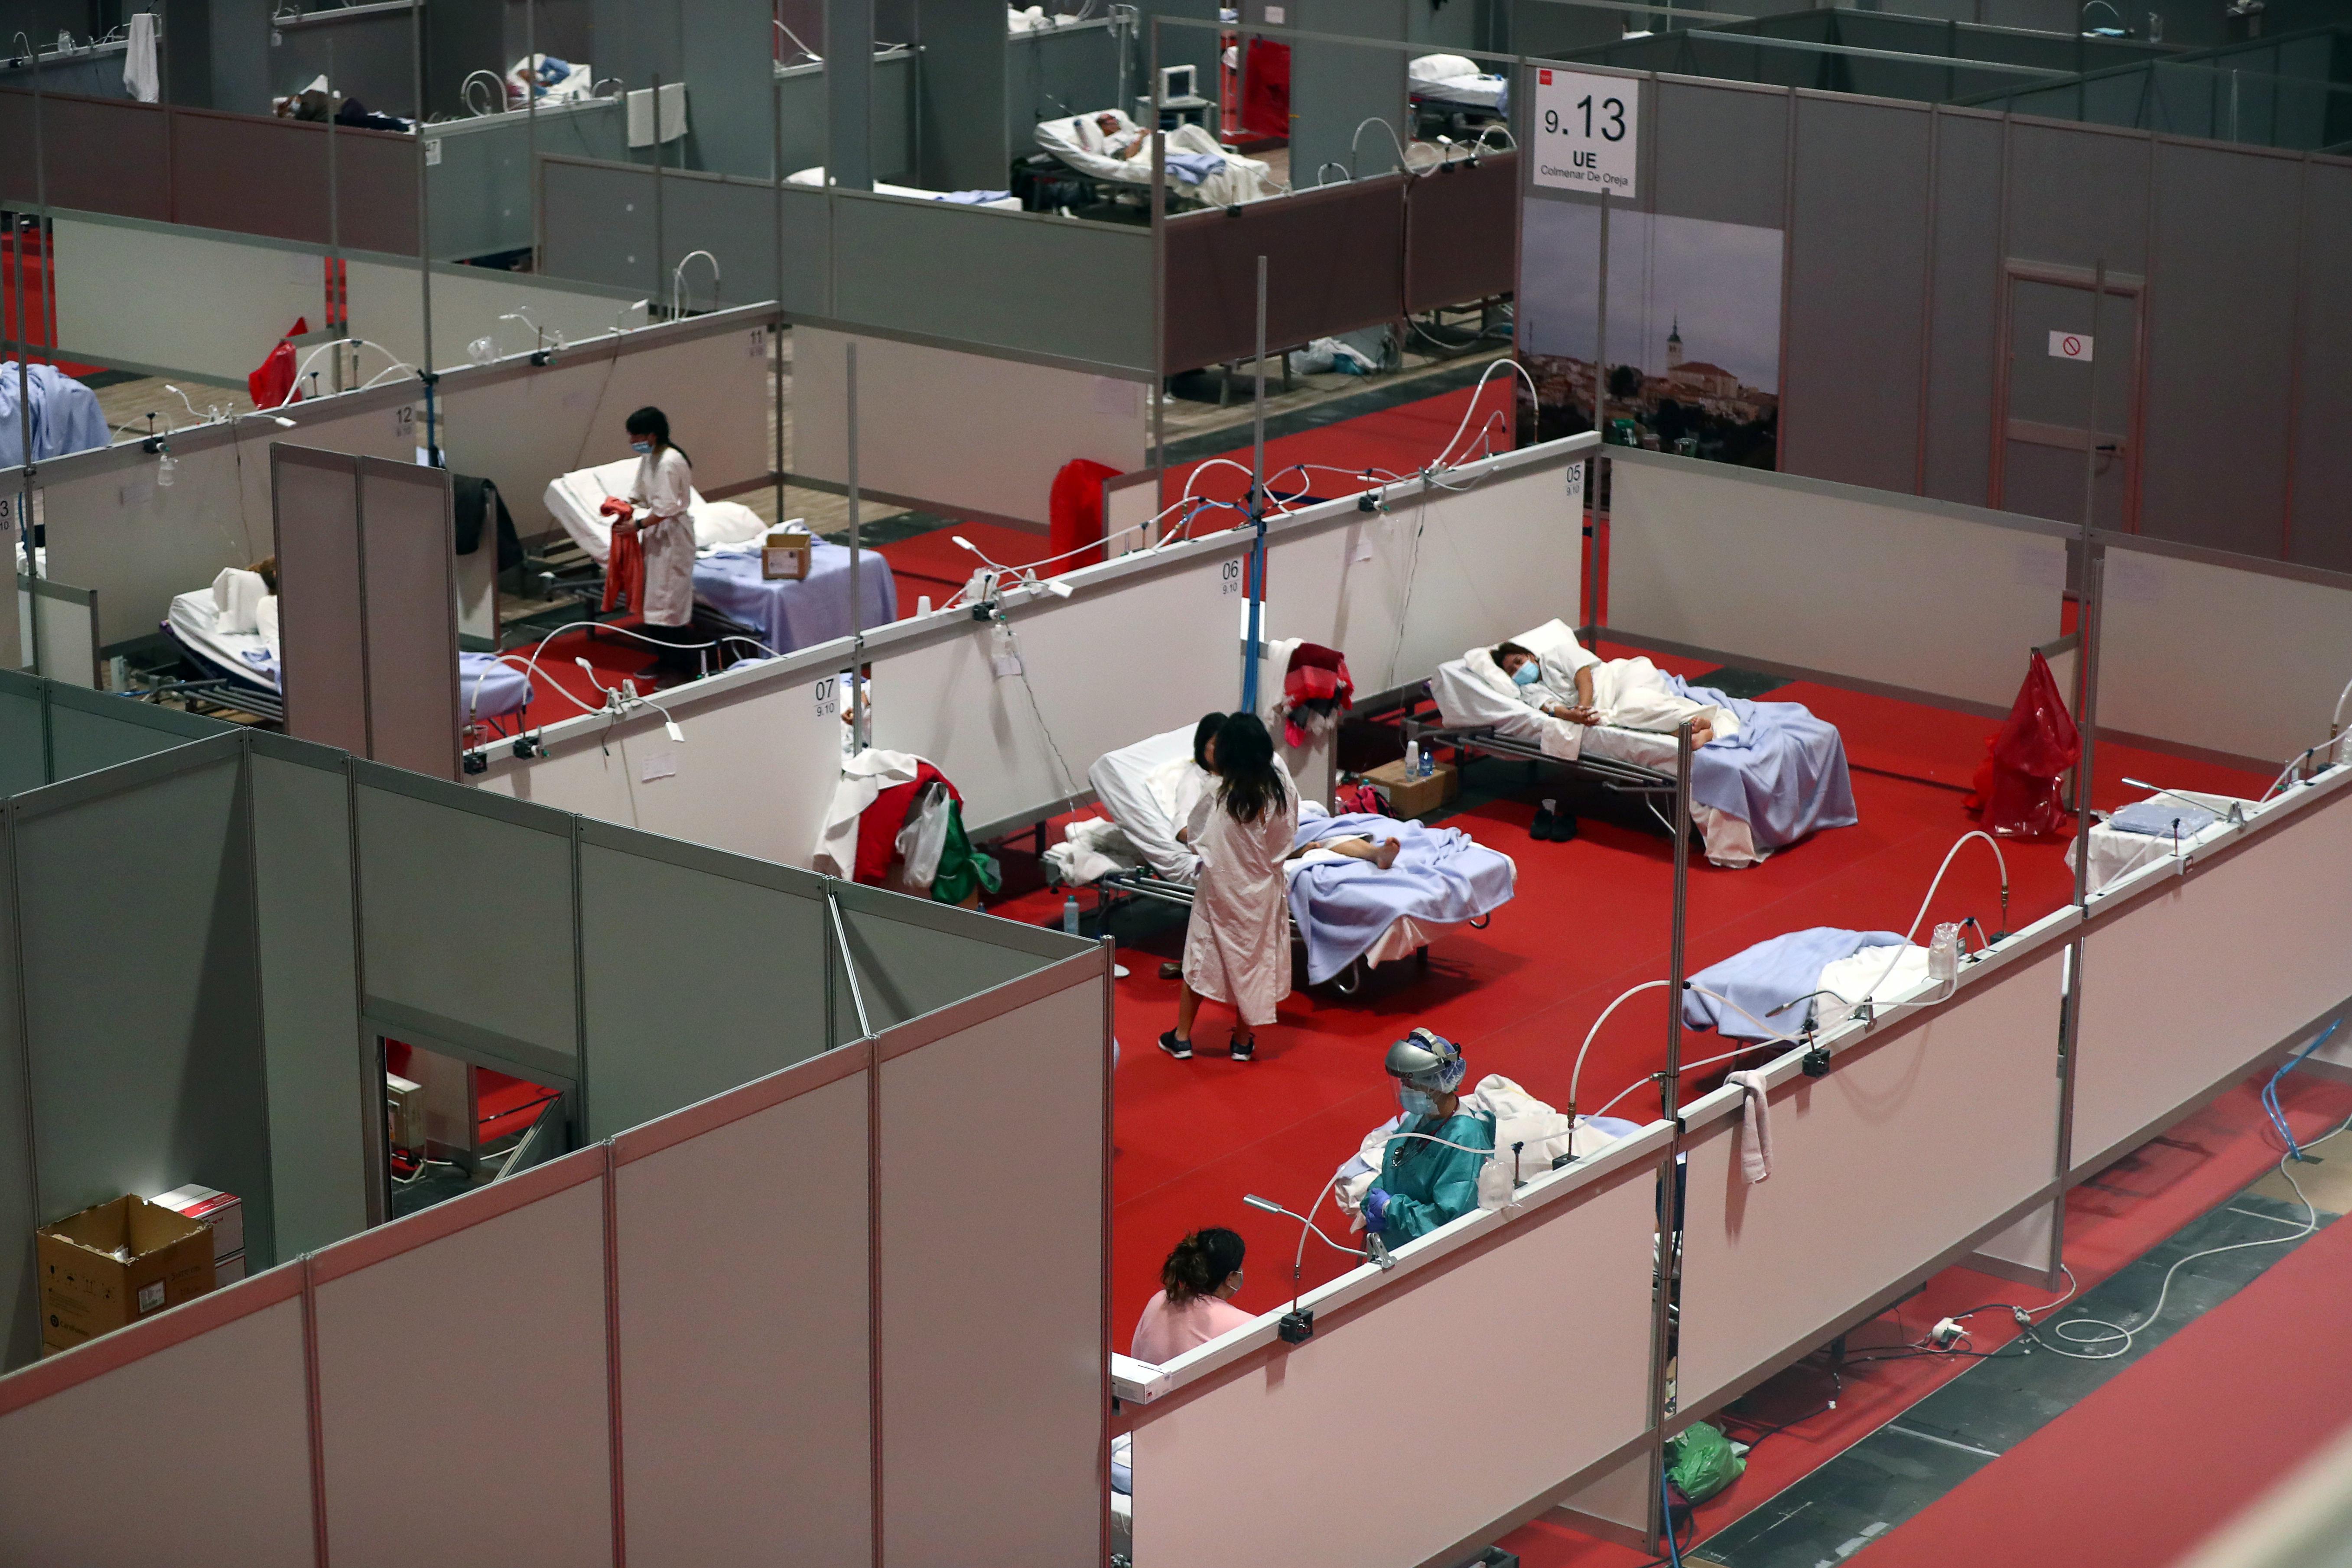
column 1768, row 974
column 1442, row 875
column 1784, row 773
column 1192, row 168
column 788, row 614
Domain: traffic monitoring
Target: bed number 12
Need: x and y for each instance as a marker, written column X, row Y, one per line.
column 1229, row 579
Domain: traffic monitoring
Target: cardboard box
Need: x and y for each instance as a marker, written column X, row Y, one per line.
column 115, row 1264
column 222, row 1211
column 228, row 1270
column 784, row 557
column 1414, row 797
column 403, row 1105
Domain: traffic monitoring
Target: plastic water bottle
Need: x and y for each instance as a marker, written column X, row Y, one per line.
column 1429, row 764
column 1412, row 759
column 1070, row 915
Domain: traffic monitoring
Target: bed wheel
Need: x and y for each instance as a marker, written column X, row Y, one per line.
column 1477, row 922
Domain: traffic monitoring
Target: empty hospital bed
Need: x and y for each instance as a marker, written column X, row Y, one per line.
column 1350, row 915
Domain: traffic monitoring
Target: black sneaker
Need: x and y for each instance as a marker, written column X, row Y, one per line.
column 1245, row 1049
column 1563, row 827
column 1540, row 831
column 1182, row 1050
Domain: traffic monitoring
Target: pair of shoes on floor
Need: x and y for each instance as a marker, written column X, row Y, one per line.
column 1553, row 825
column 1182, row 1050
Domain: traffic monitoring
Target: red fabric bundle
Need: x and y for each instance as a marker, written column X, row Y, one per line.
column 1074, row 515
column 271, row 384
column 1318, row 678
column 624, row 567
column 2017, row 785
column 878, row 826
column 1266, row 90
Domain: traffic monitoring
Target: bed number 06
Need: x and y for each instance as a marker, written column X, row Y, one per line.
column 828, row 697
column 1229, row 579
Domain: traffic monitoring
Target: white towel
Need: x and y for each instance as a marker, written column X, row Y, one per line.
column 1756, row 1131
column 139, row 75
column 236, row 594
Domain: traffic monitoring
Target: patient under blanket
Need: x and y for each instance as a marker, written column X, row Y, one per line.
column 1519, row 1118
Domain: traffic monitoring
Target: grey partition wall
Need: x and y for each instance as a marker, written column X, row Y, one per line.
column 367, row 569
column 913, row 957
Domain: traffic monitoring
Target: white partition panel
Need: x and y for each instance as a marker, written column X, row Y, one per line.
column 1868, row 586
column 2263, row 919
column 967, row 433
column 745, row 1390
column 1402, row 592
column 995, row 1445
column 184, row 1441
column 755, row 775
column 1097, row 671
column 1423, row 1415
column 1915, row 1141
column 114, row 276
column 2221, row 652
column 495, row 1330
column 467, row 302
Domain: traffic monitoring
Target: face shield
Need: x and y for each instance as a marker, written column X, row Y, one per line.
column 1425, row 1065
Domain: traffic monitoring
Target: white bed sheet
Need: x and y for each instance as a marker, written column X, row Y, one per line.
column 1008, row 203
column 575, row 497
column 492, row 687
column 1123, row 782
column 2116, row 852
column 1240, row 180
column 1451, row 78
column 1465, row 702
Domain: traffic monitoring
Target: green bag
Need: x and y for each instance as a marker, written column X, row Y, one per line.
column 1700, row 1462
column 963, row 868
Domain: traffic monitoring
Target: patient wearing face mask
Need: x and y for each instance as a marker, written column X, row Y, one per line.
column 1644, row 703
column 1429, row 1173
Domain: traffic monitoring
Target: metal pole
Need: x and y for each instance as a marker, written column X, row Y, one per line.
column 776, row 178
column 334, row 207
column 2087, row 600
column 1601, row 358
column 1256, row 512
column 857, row 605
column 657, row 184
column 425, row 371
column 531, row 119
column 1159, row 287
column 24, row 351
column 1670, row 1110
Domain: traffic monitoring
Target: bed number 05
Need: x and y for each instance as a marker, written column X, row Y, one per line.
column 828, row 697
column 1229, row 579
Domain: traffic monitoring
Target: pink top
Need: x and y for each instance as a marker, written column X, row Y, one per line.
column 1165, row 1332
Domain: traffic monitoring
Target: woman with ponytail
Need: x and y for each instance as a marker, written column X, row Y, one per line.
column 1196, row 1303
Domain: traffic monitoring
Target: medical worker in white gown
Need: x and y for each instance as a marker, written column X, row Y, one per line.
column 664, row 494
column 1237, row 948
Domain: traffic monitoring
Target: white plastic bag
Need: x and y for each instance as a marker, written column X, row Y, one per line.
column 925, row 836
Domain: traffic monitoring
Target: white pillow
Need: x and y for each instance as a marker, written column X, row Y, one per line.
column 235, row 591
column 1443, row 67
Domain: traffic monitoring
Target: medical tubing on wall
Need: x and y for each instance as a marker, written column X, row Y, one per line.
column 1925, row 903
column 1306, row 1221
column 1687, row 1067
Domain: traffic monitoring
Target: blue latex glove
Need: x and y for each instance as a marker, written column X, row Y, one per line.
column 1376, row 1208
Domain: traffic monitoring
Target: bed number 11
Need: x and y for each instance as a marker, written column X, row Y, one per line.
column 1229, row 579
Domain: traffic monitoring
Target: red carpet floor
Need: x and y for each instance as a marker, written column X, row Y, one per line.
column 2197, row 1430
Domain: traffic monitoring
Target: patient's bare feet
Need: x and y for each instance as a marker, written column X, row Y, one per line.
column 1386, row 855
column 1701, row 733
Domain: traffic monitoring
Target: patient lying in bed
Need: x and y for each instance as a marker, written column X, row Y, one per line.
column 1567, row 681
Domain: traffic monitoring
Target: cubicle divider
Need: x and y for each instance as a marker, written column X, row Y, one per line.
column 1431, row 569
column 56, row 630
column 744, row 1415
column 246, row 173
column 113, row 530
column 1410, row 243
column 858, row 260
column 2219, row 653
column 1872, row 589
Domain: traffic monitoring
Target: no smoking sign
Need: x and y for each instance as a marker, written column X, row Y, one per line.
column 2070, row 346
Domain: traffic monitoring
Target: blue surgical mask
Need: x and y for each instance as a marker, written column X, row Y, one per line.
column 1416, row 1102
column 641, row 447
column 1527, row 674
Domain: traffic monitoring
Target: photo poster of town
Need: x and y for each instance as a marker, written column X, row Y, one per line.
column 1694, row 330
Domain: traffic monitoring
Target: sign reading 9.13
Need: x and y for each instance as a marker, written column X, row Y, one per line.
column 1586, row 130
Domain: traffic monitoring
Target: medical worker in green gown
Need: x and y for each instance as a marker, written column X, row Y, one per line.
column 1423, row 1184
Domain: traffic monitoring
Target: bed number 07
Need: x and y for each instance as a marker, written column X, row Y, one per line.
column 1229, row 579
column 828, row 697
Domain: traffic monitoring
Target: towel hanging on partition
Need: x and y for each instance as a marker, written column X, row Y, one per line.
column 140, row 78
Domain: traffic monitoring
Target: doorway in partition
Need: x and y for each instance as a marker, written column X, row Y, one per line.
column 2052, row 359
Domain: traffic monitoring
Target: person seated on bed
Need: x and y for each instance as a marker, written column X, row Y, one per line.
column 1525, row 672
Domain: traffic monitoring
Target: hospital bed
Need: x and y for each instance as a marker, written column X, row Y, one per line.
column 248, row 665
column 1077, row 143
column 1136, row 785
column 574, row 500
column 1477, row 712
column 1454, row 94
column 2167, row 824
column 1802, row 980
column 1004, row 201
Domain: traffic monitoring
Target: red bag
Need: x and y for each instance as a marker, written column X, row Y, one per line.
column 1266, row 90
column 1074, row 515
column 269, row 385
column 2017, row 785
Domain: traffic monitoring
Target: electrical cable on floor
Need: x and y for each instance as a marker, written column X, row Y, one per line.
column 2121, row 1337
column 2271, row 1106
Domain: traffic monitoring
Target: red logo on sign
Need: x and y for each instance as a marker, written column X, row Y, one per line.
column 1545, row 78
column 2072, row 345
